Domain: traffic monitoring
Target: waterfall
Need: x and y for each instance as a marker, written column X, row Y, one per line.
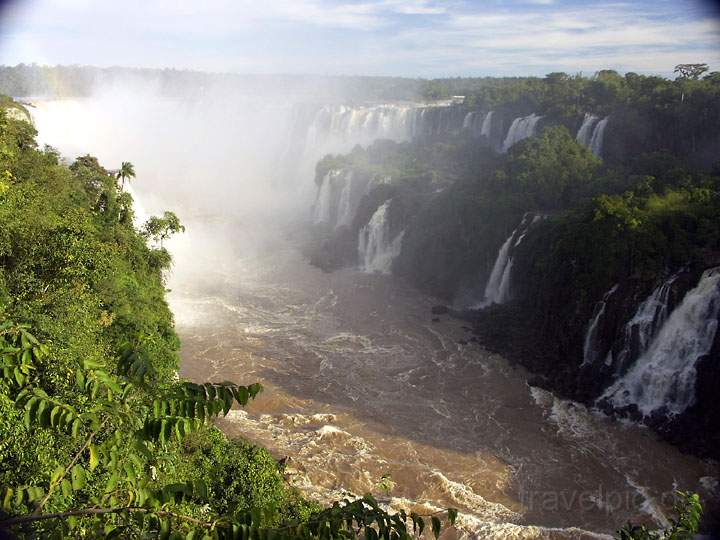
column 323, row 202
column 590, row 352
column 649, row 317
column 497, row 289
column 468, row 120
column 339, row 127
column 596, row 141
column 521, row 128
column 345, row 209
column 585, row 133
column 663, row 378
column 486, row 125
column 337, row 199
column 376, row 248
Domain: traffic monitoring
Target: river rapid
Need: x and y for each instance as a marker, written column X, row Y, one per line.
column 360, row 382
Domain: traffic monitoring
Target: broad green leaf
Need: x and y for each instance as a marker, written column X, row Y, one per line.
column 94, row 459
column 77, row 474
column 66, row 488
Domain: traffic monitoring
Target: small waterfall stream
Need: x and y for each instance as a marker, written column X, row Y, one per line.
column 598, row 134
column 585, row 133
column 648, row 319
column 486, row 125
column 663, row 378
column 590, row 352
column 497, row 289
column 521, row 128
column 376, row 247
column 337, row 198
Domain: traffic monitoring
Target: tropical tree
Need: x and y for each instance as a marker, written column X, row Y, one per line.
column 125, row 172
column 161, row 228
column 690, row 71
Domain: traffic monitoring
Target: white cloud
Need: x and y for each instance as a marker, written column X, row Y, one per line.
column 408, row 37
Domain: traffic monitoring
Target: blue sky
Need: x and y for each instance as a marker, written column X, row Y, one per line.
column 426, row 38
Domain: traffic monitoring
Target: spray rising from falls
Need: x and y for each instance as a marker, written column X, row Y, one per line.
column 376, row 247
column 521, row 128
column 497, row 289
column 590, row 349
column 663, row 378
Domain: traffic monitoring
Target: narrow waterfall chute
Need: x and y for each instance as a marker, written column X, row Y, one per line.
column 468, row 120
column 521, row 128
column 377, row 248
column 345, row 208
column 497, row 288
column 323, row 202
column 663, row 378
column 486, row 125
column 598, row 134
column 590, row 352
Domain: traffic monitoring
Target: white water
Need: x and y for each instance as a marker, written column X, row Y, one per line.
column 585, row 133
column 521, row 128
column 324, row 200
column 497, row 289
column 337, row 200
column 664, row 377
column 487, row 125
column 648, row 319
column 598, row 134
column 468, row 120
column 346, row 211
column 376, row 248
column 590, row 352
column 494, row 284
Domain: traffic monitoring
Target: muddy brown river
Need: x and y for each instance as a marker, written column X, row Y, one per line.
column 360, row 383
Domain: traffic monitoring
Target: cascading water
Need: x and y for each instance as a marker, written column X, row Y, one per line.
column 323, row 202
column 590, row 352
column 376, row 247
column 468, row 120
column 585, row 133
column 497, row 289
column 648, row 319
column 337, row 199
column 521, row 128
column 663, row 378
column 596, row 141
column 486, row 125
column 345, row 210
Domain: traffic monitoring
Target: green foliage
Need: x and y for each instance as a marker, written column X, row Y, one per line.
column 684, row 527
column 552, row 169
column 126, row 172
column 161, row 228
